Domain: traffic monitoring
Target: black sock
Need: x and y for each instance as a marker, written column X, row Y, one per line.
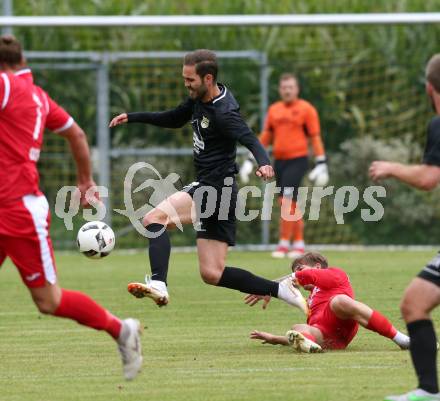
column 423, row 348
column 159, row 252
column 244, row 281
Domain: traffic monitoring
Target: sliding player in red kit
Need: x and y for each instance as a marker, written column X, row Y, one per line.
column 334, row 315
column 25, row 111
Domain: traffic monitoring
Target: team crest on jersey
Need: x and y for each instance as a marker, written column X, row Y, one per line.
column 204, row 123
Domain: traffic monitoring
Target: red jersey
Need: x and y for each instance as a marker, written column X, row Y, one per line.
column 25, row 111
column 327, row 283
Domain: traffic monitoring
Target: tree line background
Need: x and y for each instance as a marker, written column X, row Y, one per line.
column 367, row 83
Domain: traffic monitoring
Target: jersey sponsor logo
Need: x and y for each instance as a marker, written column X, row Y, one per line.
column 198, row 142
column 204, row 123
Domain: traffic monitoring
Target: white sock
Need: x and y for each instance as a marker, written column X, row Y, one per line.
column 402, row 340
column 284, row 243
column 298, row 245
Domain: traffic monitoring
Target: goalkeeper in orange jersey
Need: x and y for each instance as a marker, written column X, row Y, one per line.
column 291, row 125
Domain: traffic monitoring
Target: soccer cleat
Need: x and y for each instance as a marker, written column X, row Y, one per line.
column 295, row 253
column 129, row 345
column 292, row 295
column 154, row 289
column 301, row 343
column 280, row 252
column 415, row 395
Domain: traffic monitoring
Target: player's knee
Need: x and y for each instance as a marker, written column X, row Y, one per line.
column 46, row 306
column 343, row 304
column 209, row 275
column 153, row 217
column 410, row 309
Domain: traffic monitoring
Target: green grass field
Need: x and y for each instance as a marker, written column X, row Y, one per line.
column 197, row 348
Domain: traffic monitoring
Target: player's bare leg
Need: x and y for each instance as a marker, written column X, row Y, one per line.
column 54, row 300
column 212, row 259
column 345, row 308
column 176, row 209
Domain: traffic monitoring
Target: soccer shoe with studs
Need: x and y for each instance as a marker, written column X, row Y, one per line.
column 154, row 289
column 129, row 345
column 301, row 343
column 415, row 395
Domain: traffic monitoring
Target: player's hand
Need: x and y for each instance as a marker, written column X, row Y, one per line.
column 319, row 175
column 252, row 299
column 121, row 119
column 380, row 170
column 89, row 194
column 265, row 172
column 262, row 335
column 246, row 170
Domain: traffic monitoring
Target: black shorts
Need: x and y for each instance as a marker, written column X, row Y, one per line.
column 217, row 223
column 431, row 271
column 289, row 174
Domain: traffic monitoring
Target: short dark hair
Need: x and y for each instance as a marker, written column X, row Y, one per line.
column 433, row 72
column 10, row 50
column 288, row 75
column 205, row 62
column 310, row 259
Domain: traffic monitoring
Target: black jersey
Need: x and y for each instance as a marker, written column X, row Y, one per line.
column 431, row 155
column 217, row 127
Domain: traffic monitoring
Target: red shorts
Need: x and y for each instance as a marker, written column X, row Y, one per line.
column 337, row 333
column 24, row 237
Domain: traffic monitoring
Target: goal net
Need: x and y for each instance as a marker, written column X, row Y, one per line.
column 367, row 82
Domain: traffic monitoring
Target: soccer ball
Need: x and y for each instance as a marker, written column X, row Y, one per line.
column 95, row 239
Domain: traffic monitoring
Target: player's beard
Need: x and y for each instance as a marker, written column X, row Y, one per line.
column 199, row 93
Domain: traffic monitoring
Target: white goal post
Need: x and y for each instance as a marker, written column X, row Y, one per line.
column 223, row 20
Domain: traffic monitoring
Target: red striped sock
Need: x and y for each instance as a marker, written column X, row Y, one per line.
column 79, row 307
column 380, row 324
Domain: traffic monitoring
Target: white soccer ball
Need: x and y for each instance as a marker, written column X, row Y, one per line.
column 95, row 239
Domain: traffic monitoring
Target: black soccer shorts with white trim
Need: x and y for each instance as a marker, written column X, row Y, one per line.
column 431, row 271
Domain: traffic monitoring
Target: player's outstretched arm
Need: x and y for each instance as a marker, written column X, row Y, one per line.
column 269, row 338
column 81, row 154
column 173, row 118
column 421, row 176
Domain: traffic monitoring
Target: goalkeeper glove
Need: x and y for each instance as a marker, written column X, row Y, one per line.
column 246, row 170
column 319, row 174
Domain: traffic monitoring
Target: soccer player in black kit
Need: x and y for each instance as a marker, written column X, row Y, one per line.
column 217, row 127
column 423, row 293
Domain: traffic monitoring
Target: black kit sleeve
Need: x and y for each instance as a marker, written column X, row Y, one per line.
column 174, row 118
column 232, row 125
column 431, row 155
